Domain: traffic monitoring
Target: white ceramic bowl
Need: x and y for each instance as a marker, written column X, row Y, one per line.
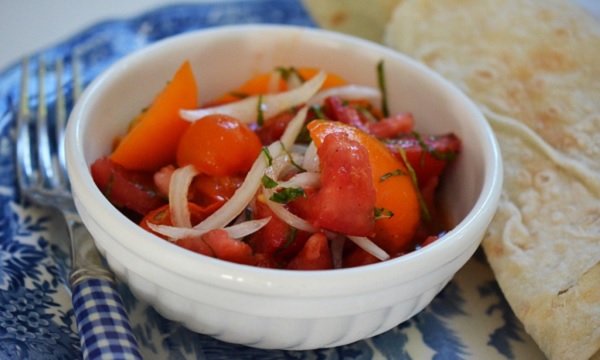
column 277, row 308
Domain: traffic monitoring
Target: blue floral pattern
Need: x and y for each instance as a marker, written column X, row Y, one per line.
column 468, row 319
column 35, row 319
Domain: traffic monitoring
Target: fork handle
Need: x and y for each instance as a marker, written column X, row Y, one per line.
column 103, row 324
column 102, row 321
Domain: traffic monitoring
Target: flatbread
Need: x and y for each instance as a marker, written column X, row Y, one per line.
column 364, row 18
column 534, row 68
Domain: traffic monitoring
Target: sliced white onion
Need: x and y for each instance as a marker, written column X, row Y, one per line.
column 286, row 216
column 289, row 164
column 174, row 233
column 291, row 131
column 244, row 194
column 279, row 163
column 294, row 81
column 311, row 159
column 246, row 110
column 246, row 228
column 369, row 246
column 274, row 79
column 299, row 148
column 237, row 231
column 278, row 209
column 178, row 191
column 347, row 92
column 306, row 180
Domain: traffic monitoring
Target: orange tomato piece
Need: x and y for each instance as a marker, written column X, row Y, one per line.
column 152, row 141
column 394, row 189
column 219, row 145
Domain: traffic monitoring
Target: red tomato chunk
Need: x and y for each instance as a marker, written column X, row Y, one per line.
column 346, row 199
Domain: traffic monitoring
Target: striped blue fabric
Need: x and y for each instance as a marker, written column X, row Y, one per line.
column 102, row 322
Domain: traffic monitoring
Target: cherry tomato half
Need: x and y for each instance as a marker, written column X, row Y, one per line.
column 219, row 145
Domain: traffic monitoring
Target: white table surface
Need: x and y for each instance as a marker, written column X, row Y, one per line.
column 27, row 26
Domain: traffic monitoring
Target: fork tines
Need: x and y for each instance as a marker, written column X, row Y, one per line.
column 40, row 159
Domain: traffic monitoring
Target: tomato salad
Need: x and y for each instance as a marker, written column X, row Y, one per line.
column 295, row 169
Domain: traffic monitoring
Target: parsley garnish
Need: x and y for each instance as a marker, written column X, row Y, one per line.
column 287, row 195
column 440, row 155
column 396, row 172
column 365, row 112
column 382, row 88
column 294, row 164
column 382, row 213
column 108, row 190
column 413, row 177
column 238, row 95
column 260, row 118
column 267, row 153
column 268, row 182
column 303, row 136
column 290, row 238
column 286, row 73
column 319, row 112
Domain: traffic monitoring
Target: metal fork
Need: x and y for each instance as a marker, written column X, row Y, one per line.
column 102, row 322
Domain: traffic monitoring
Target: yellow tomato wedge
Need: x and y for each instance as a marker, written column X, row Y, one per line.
column 152, row 141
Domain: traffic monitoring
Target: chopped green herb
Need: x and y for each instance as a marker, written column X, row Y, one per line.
column 268, row 182
column 294, row 164
column 303, row 136
column 413, row 177
column 382, row 88
column 238, row 95
column 287, row 195
column 366, row 113
column 440, row 155
column 213, row 253
column 248, row 214
column 382, row 213
column 260, row 119
column 144, row 187
column 286, row 73
column 319, row 112
column 290, row 238
column 108, row 190
column 267, row 153
column 247, row 217
column 396, row 172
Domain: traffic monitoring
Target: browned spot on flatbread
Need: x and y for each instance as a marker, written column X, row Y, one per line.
column 338, row 18
column 553, row 60
column 561, row 32
column 497, row 250
column 523, row 73
column 545, row 15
